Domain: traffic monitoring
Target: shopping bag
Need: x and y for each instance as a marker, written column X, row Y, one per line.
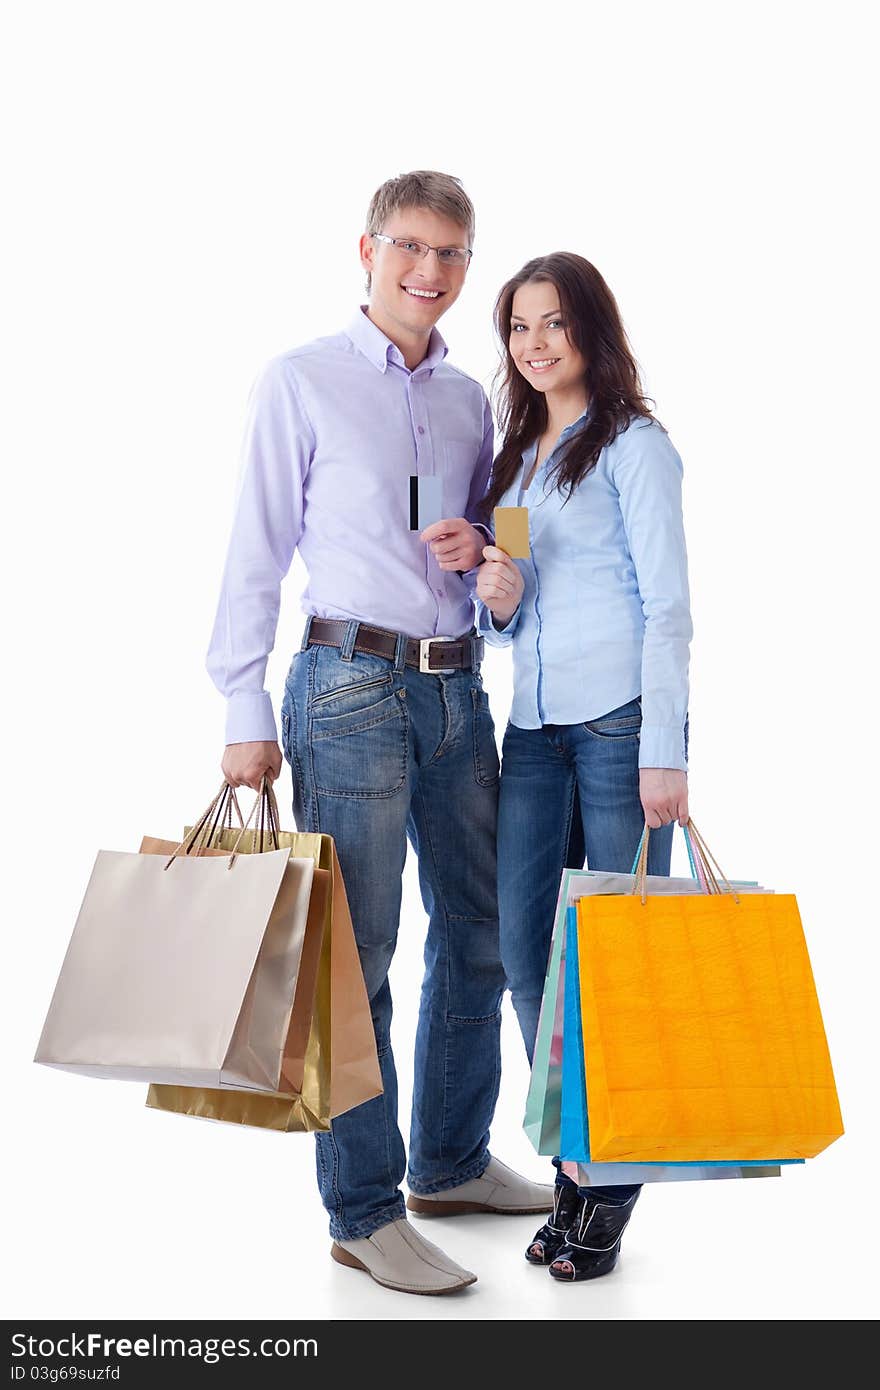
column 542, row 1113
column 159, row 981
column 575, row 1135
column 330, row 1063
column 557, row 1068
column 574, row 1138
column 702, row 1033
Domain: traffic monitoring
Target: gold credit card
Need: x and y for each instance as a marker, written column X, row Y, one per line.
column 512, row 531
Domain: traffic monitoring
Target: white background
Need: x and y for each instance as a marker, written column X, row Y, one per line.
column 184, row 186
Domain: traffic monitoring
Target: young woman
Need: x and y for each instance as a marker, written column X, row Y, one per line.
column 598, row 618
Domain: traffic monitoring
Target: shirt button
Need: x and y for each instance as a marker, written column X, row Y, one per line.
column 421, row 429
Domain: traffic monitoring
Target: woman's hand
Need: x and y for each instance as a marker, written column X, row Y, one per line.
column 455, row 544
column 499, row 584
column 664, row 794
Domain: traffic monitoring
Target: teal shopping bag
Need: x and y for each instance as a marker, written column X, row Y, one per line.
column 542, row 1114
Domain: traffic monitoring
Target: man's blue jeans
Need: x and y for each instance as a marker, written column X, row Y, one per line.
column 567, row 791
column 380, row 752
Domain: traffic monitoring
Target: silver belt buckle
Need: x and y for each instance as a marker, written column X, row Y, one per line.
column 424, row 648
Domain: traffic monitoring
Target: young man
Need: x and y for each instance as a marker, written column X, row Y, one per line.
column 384, row 719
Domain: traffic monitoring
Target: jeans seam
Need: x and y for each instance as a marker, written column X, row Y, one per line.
column 325, row 696
column 461, row 1018
column 338, row 1205
column 573, row 792
column 362, row 1230
column 312, row 804
column 562, row 751
column 480, row 776
column 437, row 879
column 363, row 796
column 612, row 738
column 473, row 1170
column 355, row 728
column 447, row 728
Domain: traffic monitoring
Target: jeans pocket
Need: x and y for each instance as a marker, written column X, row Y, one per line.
column 623, row 722
column 485, row 747
column 285, row 734
column 360, row 740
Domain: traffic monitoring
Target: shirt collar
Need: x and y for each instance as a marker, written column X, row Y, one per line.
column 531, row 450
column 371, row 341
column 575, row 424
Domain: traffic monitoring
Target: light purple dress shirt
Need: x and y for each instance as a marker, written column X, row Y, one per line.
column 335, row 429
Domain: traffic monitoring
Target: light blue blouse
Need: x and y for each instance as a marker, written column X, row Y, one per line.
column 605, row 615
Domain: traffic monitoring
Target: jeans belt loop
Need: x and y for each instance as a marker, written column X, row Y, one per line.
column 346, row 650
column 400, row 654
column 306, row 630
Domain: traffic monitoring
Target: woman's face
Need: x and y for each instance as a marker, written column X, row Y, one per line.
column 538, row 340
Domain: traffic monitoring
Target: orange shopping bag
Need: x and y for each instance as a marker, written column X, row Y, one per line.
column 703, row 1038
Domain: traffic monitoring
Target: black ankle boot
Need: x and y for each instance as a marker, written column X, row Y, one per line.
column 567, row 1203
column 592, row 1245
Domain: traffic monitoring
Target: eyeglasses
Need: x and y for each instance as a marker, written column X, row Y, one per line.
column 417, row 250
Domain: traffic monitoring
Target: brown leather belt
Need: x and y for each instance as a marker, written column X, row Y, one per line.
column 433, row 654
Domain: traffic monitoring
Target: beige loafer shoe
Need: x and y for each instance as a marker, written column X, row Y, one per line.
column 397, row 1257
column 497, row 1189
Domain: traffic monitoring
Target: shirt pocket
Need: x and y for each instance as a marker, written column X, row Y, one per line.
column 460, row 461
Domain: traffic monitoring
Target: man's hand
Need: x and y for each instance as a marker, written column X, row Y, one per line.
column 664, row 794
column 455, row 544
column 244, row 764
column 499, row 584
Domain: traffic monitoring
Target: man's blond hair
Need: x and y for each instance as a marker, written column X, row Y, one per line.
column 423, row 188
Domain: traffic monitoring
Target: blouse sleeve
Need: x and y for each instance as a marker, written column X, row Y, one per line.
column 647, row 473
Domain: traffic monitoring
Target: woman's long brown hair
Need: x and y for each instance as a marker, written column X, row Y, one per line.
column 593, row 325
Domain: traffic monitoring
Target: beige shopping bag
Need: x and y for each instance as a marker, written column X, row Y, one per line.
column 182, row 969
column 330, row 1063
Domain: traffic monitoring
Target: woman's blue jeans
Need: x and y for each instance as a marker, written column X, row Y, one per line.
column 568, row 792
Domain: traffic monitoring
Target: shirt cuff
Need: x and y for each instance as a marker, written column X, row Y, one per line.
column 249, row 717
column 487, row 629
column 662, row 746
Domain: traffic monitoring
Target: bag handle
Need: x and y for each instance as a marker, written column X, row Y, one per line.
column 268, row 815
column 217, row 817
column 268, row 818
column 688, row 845
column 702, row 861
column 222, row 819
column 205, row 828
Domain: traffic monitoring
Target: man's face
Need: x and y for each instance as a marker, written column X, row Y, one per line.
column 409, row 293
